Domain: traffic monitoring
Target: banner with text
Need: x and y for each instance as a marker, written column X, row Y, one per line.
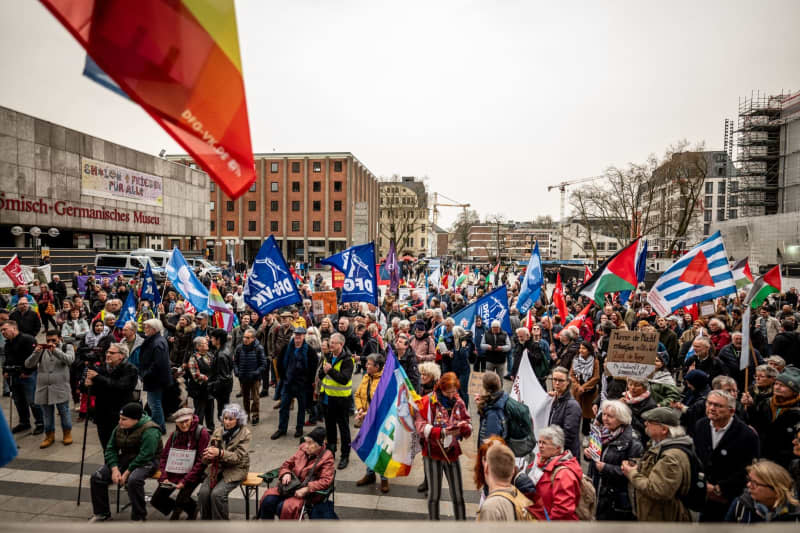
column 632, row 354
column 118, row 183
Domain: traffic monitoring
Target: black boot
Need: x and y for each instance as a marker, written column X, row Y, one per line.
column 433, row 510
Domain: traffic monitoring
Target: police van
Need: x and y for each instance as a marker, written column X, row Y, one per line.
column 127, row 265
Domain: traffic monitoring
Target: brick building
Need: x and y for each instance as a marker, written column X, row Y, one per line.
column 315, row 204
column 516, row 241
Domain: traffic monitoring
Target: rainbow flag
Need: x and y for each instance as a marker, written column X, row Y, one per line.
column 223, row 314
column 386, row 439
column 179, row 60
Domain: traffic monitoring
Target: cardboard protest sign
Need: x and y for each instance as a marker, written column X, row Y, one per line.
column 475, row 386
column 324, row 303
column 707, row 308
column 632, row 354
column 404, row 294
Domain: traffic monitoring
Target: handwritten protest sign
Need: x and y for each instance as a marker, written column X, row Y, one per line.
column 475, row 384
column 323, row 303
column 404, row 294
column 632, row 354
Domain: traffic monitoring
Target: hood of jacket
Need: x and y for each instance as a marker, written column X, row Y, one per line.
column 683, row 440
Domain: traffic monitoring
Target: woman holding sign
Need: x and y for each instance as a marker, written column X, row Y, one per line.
column 585, row 376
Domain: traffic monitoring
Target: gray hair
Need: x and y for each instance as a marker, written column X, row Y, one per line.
column 198, row 340
column 620, row 410
column 404, row 324
column 720, row 324
column 155, row 324
column 377, row 359
column 730, row 400
column 676, row 431
column 770, row 371
column 252, row 331
column 720, row 381
column 449, row 321
column 641, row 381
column 567, row 333
column 130, row 324
column 395, row 321
column 777, row 359
column 561, row 370
column 432, row 369
column 338, row 337
column 704, row 340
column 313, row 338
column 554, row 434
column 495, row 324
column 122, row 347
column 235, row 410
column 437, row 313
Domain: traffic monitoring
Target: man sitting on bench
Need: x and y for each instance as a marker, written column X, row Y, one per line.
column 309, row 470
column 131, row 457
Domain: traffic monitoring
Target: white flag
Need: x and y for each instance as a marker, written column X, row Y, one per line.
column 744, row 357
column 527, row 389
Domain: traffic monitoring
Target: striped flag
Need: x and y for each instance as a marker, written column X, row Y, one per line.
column 741, row 273
column 463, row 277
column 702, row 274
column 769, row 283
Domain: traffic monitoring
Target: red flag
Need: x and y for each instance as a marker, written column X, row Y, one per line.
column 578, row 320
column 558, row 298
column 14, row 271
column 529, row 320
column 587, row 274
column 692, row 310
column 180, row 61
column 295, row 275
column 188, row 307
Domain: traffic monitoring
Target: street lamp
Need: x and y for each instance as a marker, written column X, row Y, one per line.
column 35, row 232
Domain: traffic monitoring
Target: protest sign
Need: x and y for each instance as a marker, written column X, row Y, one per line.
column 632, row 354
column 475, row 386
column 337, row 278
column 595, row 447
column 324, row 303
column 404, row 294
column 706, row 308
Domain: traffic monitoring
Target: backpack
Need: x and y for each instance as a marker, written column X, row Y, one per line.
column 587, row 500
column 519, row 432
column 695, row 497
column 520, row 503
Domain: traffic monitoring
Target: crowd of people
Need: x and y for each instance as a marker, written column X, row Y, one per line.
column 613, row 449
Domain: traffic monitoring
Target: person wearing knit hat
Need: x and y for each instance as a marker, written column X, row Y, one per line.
column 775, row 418
column 131, row 457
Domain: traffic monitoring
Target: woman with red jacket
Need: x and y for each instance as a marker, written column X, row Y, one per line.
column 557, row 475
column 441, row 422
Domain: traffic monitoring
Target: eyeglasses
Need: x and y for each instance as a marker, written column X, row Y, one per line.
column 755, row 483
column 716, row 405
column 113, row 352
column 559, row 380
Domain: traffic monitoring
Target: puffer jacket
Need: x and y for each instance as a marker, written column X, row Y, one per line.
column 613, row 501
column 659, row 481
column 249, row 362
column 184, row 440
column 558, row 488
column 366, row 390
column 493, row 417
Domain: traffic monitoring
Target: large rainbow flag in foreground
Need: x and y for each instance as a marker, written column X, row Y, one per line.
column 179, row 60
column 385, row 441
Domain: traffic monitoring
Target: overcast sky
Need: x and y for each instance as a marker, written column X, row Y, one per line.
column 493, row 101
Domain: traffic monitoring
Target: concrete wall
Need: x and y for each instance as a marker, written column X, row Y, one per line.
column 761, row 237
column 39, row 159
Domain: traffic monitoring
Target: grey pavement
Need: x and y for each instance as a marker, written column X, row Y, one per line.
column 42, row 485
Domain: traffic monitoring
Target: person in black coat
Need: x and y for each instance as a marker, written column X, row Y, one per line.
column 221, row 382
column 27, row 320
column 724, row 462
column 18, row 347
column 693, row 404
column 620, row 443
column 113, row 385
column 408, row 360
column 704, row 360
column 566, row 411
column 249, row 363
column 155, row 369
column 637, row 397
column 298, row 366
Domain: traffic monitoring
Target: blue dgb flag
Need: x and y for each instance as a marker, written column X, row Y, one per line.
column 358, row 265
column 270, row 284
column 149, row 287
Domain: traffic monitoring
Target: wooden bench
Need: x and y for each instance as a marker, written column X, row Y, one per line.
column 250, row 486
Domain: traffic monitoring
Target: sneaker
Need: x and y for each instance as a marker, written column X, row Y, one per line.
column 99, row 518
column 21, row 427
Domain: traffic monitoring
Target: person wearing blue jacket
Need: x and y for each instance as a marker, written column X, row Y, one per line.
column 248, row 364
column 478, row 330
column 154, row 369
column 491, row 408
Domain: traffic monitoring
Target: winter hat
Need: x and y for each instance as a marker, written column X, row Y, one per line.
column 664, row 356
column 317, row 435
column 420, row 324
column 185, row 413
column 790, row 377
column 132, row 410
column 697, row 378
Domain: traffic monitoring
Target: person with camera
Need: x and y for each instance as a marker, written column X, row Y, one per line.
column 113, row 386
column 18, row 347
column 309, row 470
column 52, row 362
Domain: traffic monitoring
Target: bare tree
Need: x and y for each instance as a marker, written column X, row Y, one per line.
column 403, row 213
column 496, row 221
column 460, row 229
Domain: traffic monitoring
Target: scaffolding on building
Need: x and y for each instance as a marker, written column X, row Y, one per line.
column 758, row 150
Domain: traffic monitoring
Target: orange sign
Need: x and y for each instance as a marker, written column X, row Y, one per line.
column 337, row 281
column 324, row 303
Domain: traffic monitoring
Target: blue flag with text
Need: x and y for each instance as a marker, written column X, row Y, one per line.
column 358, row 265
column 270, row 284
column 149, row 287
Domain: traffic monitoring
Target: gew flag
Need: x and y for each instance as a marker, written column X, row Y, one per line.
column 185, row 282
column 702, row 274
column 358, row 265
column 531, row 287
column 149, row 287
column 270, row 284
column 386, row 439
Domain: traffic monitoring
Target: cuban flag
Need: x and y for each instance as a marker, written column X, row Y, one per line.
column 149, row 287
column 185, row 282
column 702, row 274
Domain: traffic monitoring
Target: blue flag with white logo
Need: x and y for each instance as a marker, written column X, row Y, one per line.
column 149, row 287
column 466, row 317
column 128, row 311
column 358, row 265
column 531, row 287
column 494, row 306
column 185, row 282
column 269, row 284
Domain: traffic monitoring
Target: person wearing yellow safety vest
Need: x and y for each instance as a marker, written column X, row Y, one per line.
column 336, row 390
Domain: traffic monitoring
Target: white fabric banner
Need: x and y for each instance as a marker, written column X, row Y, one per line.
column 527, row 389
column 27, row 271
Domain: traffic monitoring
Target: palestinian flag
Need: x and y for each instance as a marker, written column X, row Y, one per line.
column 463, row 277
column 767, row 284
column 617, row 273
column 492, row 277
column 587, row 274
column 741, row 274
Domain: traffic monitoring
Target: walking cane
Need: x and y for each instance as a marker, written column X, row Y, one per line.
column 83, row 450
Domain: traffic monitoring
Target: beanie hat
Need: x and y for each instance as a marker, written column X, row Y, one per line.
column 317, row 435
column 697, row 378
column 132, row 410
column 790, row 377
column 420, row 324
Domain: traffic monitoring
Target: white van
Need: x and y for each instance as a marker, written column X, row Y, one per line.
column 160, row 257
column 128, row 265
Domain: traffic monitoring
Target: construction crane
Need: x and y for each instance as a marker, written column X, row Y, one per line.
column 563, row 188
column 435, row 214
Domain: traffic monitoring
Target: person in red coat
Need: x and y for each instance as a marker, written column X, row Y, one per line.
column 312, row 463
column 557, row 475
column 719, row 336
column 188, row 438
column 441, row 421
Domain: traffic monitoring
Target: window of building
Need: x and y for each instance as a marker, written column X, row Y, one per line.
column 337, row 166
column 295, row 167
column 337, row 226
column 721, row 187
column 251, row 225
column 213, row 227
column 229, row 205
column 706, row 228
column 252, row 187
column 612, row 246
column 316, row 166
column 251, row 205
column 317, row 205
column 295, row 186
column 212, row 186
column 316, row 225
column 720, row 171
column 601, row 247
column 719, row 157
column 273, row 187
column 422, row 242
column 733, row 201
column 337, row 205
column 734, row 187
column 295, row 205
column 587, row 245
column 709, row 187
column 317, row 186
column 212, row 205
column 229, row 225
column 337, row 186
column 411, row 241
column 708, row 201
column 273, row 205
column 273, row 226
column 273, row 167
column 707, row 215
column 732, row 213
column 720, row 215
column 295, row 225
column 720, row 201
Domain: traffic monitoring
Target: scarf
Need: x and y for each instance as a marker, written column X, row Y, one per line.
column 607, row 436
column 638, row 399
column 583, row 368
column 777, row 406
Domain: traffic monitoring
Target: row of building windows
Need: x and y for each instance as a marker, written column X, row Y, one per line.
column 600, row 246
column 405, row 242
column 316, row 166
column 316, row 186
column 274, row 205
column 316, row 226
